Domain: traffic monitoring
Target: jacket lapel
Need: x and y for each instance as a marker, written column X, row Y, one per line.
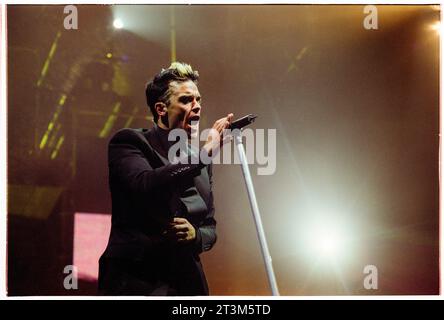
column 156, row 145
column 190, row 193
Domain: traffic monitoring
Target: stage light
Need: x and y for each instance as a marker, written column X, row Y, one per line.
column 109, row 55
column 326, row 240
column 118, row 24
column 437, row 27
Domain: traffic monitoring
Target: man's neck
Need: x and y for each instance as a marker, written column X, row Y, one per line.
column 162, row 126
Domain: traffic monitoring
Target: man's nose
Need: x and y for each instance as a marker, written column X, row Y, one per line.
column 196, row 106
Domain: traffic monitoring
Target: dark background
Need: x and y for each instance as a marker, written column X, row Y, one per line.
column 356, row 113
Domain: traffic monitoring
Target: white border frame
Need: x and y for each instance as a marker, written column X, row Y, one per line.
column 3, row 159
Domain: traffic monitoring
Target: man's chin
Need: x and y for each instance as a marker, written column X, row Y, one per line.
column 192, row 131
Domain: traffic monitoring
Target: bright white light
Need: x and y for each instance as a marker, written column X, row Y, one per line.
column 327, row 243
column 326, row 240
column 438, row 27
column 118, row 24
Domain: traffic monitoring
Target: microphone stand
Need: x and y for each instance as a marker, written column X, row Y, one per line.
column 255, row 209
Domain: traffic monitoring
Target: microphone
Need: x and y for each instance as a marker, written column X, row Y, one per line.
column 242, row 122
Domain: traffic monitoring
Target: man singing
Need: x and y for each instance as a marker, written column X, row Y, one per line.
column 162, row 213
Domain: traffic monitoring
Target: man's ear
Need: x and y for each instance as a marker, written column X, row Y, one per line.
column 161, row 109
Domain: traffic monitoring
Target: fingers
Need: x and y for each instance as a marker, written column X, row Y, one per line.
column 220, row 125
column 223, row 123
column 217, row 136
column 180, row 227
column 228, row 120
column 180, row 230
column 178, row 220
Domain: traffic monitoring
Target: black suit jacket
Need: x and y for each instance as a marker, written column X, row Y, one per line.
column 147, row 191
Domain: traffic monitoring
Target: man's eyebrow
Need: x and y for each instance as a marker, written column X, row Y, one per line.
column 189, row 95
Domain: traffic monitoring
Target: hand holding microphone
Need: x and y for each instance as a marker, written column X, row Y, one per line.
column 215, row 139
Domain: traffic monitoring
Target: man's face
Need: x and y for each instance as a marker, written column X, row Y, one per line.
column 184, row 106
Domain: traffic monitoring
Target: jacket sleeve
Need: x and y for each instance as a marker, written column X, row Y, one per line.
column 131, row 170
column 206, row 233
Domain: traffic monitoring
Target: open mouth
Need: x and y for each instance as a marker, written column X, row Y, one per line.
column 193, row 120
